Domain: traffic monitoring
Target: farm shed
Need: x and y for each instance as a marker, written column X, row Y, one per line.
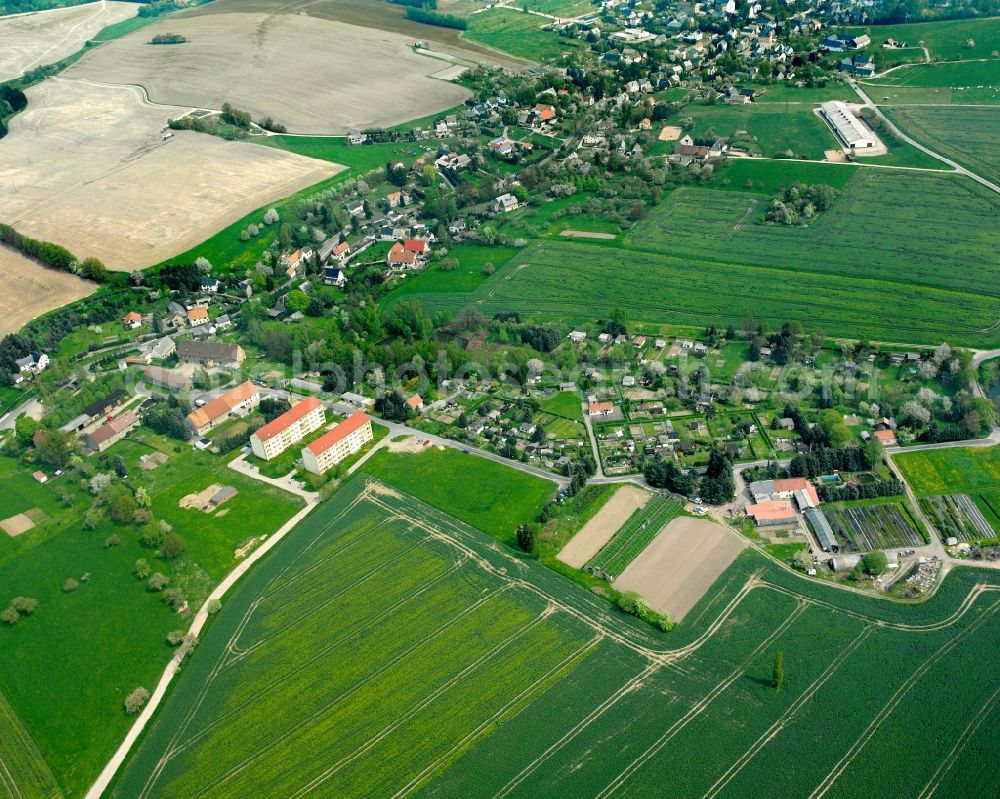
column 222, row 495
column 841, row 563
column 824, row 533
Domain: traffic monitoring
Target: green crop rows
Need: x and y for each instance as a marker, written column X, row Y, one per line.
column 23, row 770
column 385, row 649
column 634, row 536
column 867, row 527
column 958, row 516
column 857, row 271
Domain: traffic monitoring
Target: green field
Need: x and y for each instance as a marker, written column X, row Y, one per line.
column 111, row 629
column 700, row 256
column 951, row 470
column 958, row 75
column 634, row 536
column 23, row 770
column 516, row 33
column 945, row 40
column 385, row 649
column 566, row 403
column 467, row 277
column 767, row 176
column 482, row 493
column 966, row 135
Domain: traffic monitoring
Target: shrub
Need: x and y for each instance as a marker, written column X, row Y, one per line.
column 70, row 585
column 142, row 568
column 24, row 605
column 158, row 582
column 213, row 607
column 112, row 540
column 9, row 617
column 633, row 604
column 135, row 700
column 173, row 545
column 175, row 637
column 174, row 598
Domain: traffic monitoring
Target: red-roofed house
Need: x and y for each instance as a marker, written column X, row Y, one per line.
column 399, row 258
column 600, row 408
column 341, row 442
column 132, row 320
column 238, row 401
column 887, row 437
column 418, row 247
column 545, row 113
column 340, row 252
column 291, row 427
column 198, row 316
column 772, row 512
column 415, row 403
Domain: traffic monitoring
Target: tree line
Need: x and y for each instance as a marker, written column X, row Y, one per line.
column 53, row 256
column 434, row 18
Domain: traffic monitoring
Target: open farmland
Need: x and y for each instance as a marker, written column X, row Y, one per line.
column 680, row 564
column 86, row 166
column 875, row 212
column 700, row 256
column 960, row 82
column 30, row 290
column 477, row 674
column 953, row 469
column 24, row 774
column 282, row 66
column 967, row 135
column 376, row 14
column 31, row 40
column 945, row 40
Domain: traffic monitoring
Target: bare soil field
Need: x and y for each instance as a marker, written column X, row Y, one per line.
column 377, row 14
column 670, row 133
column 44, row 37
column 586, row 234
column 86, row 166
column 603, row 525
column 680, row 565
column 16, row 525
column 30, row 289
column 315, row 76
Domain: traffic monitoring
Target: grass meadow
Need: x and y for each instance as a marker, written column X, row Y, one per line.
column 967, row 135
column 951, row 470
column 80, row 653
column 385, row 649
column 482, row 493
column 516, row 33
column 945, row 40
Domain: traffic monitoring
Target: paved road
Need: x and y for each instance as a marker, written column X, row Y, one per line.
column 285, row 483
column 32, row 407
column 909, row 140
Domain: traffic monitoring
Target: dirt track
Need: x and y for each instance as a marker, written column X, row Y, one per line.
column 313, row 75
column 604, row 524
column 32, row 40
column 30, row 290
column 680, row 565
column 86, row 166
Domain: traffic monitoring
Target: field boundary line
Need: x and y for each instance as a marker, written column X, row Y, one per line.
column 699, row 707
column 585, row 722
column 942, row 770
column 900, row 694
column 426, row 702
column 356, row 687
column 354, row 634
column 779, row 724
column 546, row 681
column 103, row 780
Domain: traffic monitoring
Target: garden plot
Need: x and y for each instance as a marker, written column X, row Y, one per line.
column 599, row 530
column 88, row 166
column 32, row 40
column 957, row 516
column 680, row 565
column 633, row 537
column 313, row 75
column 865, row 528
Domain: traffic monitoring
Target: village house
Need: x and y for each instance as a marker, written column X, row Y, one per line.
column 111, row 432
column 415, row 403
column 209, row 285
column 334, row 276
column 210, row 353
column 104, row 406
column 132, row 320
column 400, row 258
column 342, row 441
column 237, row 402
column 197, row 316
column 291, row 427
column 504, row 203
column 33, row 363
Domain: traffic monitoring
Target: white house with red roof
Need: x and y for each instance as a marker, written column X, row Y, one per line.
column 132, row 320
column 400, row 258
column 340, row 442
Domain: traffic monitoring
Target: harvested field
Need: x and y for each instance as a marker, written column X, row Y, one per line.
column 31, row 290
column 681, row 564
column 281, row 66
column 605, row 523
column 376, row 14
column 670, row 133
column 86, row 166
column 16, row 524
column 31, row 40
column 586, row 234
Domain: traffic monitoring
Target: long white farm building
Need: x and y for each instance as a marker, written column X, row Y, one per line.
column 851, row 131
